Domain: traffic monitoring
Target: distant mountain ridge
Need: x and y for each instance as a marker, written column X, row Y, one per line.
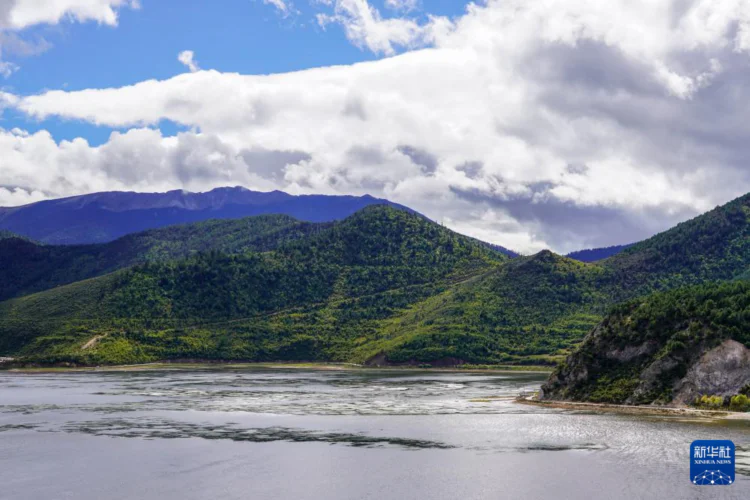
column 4, row 235
column 120, row 201
column 595, row 254
column 106, row 216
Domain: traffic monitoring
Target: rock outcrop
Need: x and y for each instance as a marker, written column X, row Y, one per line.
column 666, row 349
column 722, row 371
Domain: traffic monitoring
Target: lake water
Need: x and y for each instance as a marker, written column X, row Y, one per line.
column 253, row 433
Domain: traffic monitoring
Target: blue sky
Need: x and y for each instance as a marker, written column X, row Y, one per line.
column 561, row 124
column 244, row 36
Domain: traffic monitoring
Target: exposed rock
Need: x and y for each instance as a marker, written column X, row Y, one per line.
column 722, row 371
column 629, row 353
column 92, row 342
column 650, row 378
column 646, row 374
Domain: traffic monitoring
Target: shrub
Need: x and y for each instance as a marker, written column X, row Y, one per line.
column 710, row 402
column 740, row 402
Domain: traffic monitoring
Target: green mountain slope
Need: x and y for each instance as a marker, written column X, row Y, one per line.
column 383, row 286
column 532, row 309
column 536, row 309
column 671, row 346
column 27, row 267
column 331, row 287
column 712, row 246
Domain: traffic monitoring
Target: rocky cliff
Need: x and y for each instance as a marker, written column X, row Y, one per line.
column 669, row 348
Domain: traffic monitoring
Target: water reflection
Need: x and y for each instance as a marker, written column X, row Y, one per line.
column 171, row 429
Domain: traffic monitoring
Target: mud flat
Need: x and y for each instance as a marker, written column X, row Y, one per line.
column 665, row 411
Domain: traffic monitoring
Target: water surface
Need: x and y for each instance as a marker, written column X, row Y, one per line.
column 227, row 433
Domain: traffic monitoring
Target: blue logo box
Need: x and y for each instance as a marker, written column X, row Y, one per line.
column 712, row 462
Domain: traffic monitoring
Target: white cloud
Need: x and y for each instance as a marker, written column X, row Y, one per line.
column 186, row 57
column 402, row 5
column 14, row 196
column 284, row 7
column 365, row 27
column 7, row 68
column 549, row 123
column 35, row 166
column 19, row 14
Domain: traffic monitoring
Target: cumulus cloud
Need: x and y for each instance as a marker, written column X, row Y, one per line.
column 35, row 166
column 187, row 57
column 553, row 123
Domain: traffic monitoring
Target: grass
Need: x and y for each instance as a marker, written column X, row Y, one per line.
column 229, row 365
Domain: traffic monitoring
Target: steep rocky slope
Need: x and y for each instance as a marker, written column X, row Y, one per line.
column 666, row 348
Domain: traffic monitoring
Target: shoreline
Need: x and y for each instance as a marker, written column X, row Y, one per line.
column 322, row 366
column 659, row 411
column 644, row 410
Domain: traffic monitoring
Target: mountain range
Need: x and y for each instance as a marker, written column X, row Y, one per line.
column 104, row 217
column 594, row 254
column 318, row 296
column 382, row 286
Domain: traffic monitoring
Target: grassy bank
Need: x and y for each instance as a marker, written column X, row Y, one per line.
column 211, row 365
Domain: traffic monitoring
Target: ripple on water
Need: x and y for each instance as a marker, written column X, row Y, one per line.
column 497, row 425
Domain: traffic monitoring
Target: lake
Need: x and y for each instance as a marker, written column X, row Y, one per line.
column 269, row 433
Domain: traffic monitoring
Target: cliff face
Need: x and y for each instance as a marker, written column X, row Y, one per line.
column 723, row 371
column 665, row 349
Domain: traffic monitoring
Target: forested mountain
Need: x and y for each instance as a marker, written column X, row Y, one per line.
column 314, row 298
column 595, row 254
column 382, row 286
column 668, row 347
column 26, row 266
column 537, row 308
column 712, row 246
column 103, row 217
column 530, row 310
